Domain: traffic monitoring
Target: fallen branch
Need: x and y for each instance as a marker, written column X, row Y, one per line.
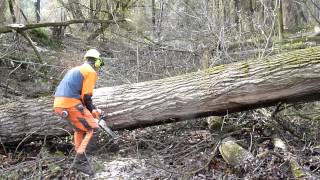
column 25, row 35
column 22, row 27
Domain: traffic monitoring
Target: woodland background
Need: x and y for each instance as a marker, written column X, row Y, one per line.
column 143, row 40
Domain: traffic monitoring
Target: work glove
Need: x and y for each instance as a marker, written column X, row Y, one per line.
column 96, row 113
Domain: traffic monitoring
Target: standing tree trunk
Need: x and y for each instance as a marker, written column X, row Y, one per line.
column 153, row 17
column 288, row 77
column 97, row 32
column 236, row 15
column 98, row 9
column 215, row 14
column 250, row 15
column 76, row 9
column 159, row 22
column 280, row 21
column 91, row 10
column 222, row 11
column 37, row 10
column 293, row 15
column 246, row 13
column 13, row 16
column 3, row 9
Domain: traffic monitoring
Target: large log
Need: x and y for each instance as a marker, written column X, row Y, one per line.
column 288, row 77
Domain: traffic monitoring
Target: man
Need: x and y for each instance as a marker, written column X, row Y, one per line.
column 73, row 102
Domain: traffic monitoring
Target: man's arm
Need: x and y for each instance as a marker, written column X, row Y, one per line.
column 87, row 100
column 89, row 82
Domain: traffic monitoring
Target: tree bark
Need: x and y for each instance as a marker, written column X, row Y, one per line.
column 288, row 77
column 3, row 10
column 292, row 14
column 91, row 10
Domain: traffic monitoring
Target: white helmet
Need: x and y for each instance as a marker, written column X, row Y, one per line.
column 92, row 53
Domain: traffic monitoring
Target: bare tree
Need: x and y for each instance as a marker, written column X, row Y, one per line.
column 153, row 16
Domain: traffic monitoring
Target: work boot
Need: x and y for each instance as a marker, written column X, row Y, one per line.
column 82, row 164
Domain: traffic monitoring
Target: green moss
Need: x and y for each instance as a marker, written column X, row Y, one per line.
column 292, row 59
column 10, row 175
column 55, row 170
column 296, row 169
column 233, row 153
column 215, row 69
column 40, row 35
column 298, row 44
column 215, row 123
column 99, row 167
column 245, row 68
column 59, row 154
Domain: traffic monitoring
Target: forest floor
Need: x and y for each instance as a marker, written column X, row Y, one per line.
column 184, row 150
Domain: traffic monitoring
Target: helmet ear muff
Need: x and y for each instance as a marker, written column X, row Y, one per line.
column 98, row 63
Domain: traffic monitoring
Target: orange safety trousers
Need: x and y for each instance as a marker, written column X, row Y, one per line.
column 84, row 124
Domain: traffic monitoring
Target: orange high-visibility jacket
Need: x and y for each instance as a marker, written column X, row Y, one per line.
column 78, row 83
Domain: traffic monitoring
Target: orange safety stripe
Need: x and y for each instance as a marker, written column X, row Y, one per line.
column 65, row 102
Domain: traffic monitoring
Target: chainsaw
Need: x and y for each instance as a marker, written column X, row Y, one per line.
column 103, row 124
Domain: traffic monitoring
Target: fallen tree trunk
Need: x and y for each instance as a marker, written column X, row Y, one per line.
column 288, row 77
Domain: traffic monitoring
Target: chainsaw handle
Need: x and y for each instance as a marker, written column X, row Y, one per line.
column 103, row 116
column 102, row 113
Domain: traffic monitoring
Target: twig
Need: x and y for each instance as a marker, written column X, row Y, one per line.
column 276, row 110
column 25, row 138
column 15, row 69
column 263, row 154
column 213, row 154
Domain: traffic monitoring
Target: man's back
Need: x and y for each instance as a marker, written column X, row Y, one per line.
column 75, row 83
